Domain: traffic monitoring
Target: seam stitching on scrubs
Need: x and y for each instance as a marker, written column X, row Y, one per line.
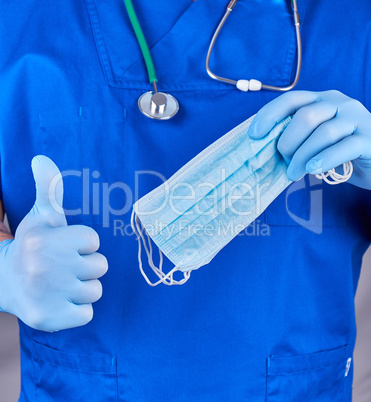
column 114, row 359
column 266, row 377
column 80, row 134
column 292, row 50
column 33, row 376
column 44, row 354
column 305, row 371
column 290, row 56
column 120, row 82
column 339, row 355
column 102, row 50
column 125, row 146
column 99, row 41
column 138, row 85
column 159, row 40
column 39, row 360
column 172, row 87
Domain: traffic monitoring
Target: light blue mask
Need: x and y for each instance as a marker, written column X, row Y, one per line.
column 204, row 205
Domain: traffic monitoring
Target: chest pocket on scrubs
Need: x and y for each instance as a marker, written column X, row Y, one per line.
column 323, row 376
column 73, row 376
column 258, row 41
column 114, row 37
column 88, row 145
column 309, row 203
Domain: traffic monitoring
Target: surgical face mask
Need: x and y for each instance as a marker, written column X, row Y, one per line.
column 204, row 205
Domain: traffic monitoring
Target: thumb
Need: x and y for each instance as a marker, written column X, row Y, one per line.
column 49, row 191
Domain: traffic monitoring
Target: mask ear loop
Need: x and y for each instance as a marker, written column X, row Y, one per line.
column 336, row 177
column 166, row 279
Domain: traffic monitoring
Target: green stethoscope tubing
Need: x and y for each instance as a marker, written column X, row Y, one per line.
column 153, row 104
column 161, row 105
column 142, row 41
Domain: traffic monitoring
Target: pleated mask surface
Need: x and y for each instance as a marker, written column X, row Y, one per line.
column 211, row 199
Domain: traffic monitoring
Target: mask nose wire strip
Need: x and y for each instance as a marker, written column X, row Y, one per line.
column 337, row 178
column 166, row 279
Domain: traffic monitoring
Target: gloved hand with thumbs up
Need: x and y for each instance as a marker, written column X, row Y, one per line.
column 48, row 273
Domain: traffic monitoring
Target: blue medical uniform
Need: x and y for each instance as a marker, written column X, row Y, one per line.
column 271, row 318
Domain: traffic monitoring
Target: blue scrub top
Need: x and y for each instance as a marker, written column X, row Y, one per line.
column 271, row 318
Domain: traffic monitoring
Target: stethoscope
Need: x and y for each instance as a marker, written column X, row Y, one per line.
column 163, row 106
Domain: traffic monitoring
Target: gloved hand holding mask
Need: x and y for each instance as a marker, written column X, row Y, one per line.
column 48, row 273
column 327, row 130
column 203, row 206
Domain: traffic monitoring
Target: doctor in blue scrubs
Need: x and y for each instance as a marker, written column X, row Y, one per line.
column 271, row 318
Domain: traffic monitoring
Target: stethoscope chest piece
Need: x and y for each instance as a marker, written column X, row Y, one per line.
column 158, row 105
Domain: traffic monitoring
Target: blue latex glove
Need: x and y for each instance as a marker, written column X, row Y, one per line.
column 327, row 130
column 48, row 273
